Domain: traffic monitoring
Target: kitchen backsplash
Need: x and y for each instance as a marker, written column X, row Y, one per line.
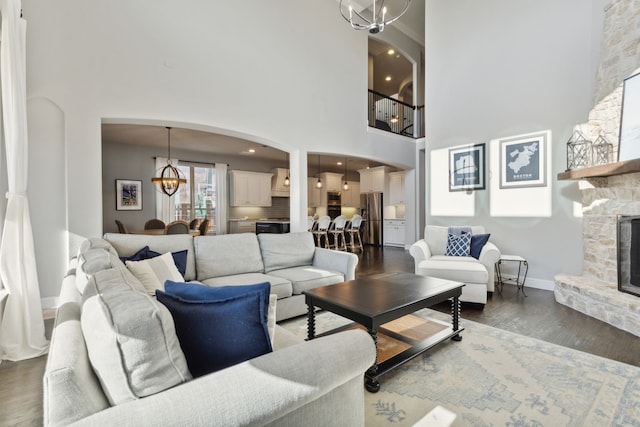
column 279, row 209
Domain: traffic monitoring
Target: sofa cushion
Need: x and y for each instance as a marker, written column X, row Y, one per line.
column 227, row 255
column 93, row 260
column 279, row 286
column 286, row 250
column 153, row 272
column 305, row 278
column 460, row 269
column 130, row 338
column 458, row 245
column 96, row 243
column 129, row 244
column 221, row 331
column 477, row 243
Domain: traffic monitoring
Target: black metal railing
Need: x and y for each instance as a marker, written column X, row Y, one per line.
column 395, row 116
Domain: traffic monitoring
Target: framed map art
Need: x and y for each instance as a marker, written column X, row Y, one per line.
column 466, row 168
column 523, row 161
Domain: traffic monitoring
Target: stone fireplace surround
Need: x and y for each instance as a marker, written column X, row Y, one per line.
column 609, row 190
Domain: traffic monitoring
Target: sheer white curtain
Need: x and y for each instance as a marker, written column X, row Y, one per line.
column 22, row 326
column 221, row 198
column 165, row 206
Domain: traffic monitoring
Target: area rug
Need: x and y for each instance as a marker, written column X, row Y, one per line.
column 497, row 378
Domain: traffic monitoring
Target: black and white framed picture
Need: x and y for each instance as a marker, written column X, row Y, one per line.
column 467, row 167
column 523, row 161
column 629, row 145
column 128, row 195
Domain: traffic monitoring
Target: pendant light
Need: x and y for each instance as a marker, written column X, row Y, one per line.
column 345, row 187
column 287, row 181
column 169, row 178
column 319, row 183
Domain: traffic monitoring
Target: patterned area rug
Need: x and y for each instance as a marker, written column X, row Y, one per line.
column 497, row 378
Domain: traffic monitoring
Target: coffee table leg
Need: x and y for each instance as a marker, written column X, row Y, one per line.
column 311, row 322
column 373, row 385
column 455, row 317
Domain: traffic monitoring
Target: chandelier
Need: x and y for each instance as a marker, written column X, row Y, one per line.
column 169, row 178
column 372, row 15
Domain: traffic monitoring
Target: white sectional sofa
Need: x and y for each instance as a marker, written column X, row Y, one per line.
column 478, row 275
column 108, row 330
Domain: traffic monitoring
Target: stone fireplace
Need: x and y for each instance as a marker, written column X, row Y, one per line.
column 611, row 190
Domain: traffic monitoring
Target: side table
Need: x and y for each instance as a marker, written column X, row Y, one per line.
column 523, row 269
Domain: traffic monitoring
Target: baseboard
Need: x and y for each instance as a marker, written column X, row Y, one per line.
column 532, row 282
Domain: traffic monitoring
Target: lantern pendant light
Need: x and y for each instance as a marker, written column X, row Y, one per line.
column 345, row 187
column 319, row 183
column 169, row 178
column 287, row 181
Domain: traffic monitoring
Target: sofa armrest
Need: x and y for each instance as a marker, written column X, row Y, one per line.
column 344, row 262
column 419, row 251
column 489, row 255
column 263, row 390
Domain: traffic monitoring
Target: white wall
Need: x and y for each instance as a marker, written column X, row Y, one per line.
column 255, row 69
column 499, row 68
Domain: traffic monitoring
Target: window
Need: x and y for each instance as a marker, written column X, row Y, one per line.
column 197, row 199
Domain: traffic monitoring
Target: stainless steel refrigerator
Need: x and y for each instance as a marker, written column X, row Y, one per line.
column 371, row 205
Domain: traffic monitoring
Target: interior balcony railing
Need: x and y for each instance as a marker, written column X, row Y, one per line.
column 395, row 116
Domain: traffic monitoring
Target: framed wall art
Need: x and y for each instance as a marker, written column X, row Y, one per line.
column 629, row 145
column 128, row 195
column 523, row 161
column 467, row 167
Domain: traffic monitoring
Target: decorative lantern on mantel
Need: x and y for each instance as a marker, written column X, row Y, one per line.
column 602, row 151
column 579, row 151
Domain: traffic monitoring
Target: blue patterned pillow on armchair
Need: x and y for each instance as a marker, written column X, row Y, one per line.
column 458, row 245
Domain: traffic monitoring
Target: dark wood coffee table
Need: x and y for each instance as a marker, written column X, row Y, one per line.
column 374, row 301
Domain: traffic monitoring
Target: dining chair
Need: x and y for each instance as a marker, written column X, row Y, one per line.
column 310, row 223
column 337, row 231
column 204, row 226
column 177, row 227
column 154, row 224
column 322, row 230
column 193, row 224
column 353, row 230
column 121, row 227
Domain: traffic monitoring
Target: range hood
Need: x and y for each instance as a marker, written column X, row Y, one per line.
column 278, row 189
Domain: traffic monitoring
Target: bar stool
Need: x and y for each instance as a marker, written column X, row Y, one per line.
column 322, row 230
column 337, row 231
column 354, row 232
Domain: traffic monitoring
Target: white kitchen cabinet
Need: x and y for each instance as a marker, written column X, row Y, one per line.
column 249, row 188
column 313, row 193
column 393, row 231
column 331, row 181
column 373, row 180
column 278, row 189
column 396, row 188
column 351, row 197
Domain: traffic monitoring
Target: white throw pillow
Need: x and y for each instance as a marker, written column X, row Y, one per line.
column 153, row 272
column 271, row 316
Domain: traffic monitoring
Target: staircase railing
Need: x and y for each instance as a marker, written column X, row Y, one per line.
column 395, row 116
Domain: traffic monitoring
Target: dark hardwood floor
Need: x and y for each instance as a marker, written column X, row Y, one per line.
column 537, row 316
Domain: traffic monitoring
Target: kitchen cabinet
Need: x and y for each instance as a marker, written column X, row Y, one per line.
column 373, row 180
column 242, row 226
column 393, row 232
column 396, row 188
column 249, row 188
column 313, row 193
column 278, row 189
column 331, row 181
column 351, row 197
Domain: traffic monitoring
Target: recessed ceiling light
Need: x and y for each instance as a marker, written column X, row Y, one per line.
column 388, row 78
column 339, row 163
column 391, row 51
column 251, row 150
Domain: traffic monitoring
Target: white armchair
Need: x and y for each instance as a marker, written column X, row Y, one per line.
column 478, row 275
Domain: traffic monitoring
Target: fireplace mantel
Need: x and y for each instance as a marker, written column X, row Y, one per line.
column 611, row 169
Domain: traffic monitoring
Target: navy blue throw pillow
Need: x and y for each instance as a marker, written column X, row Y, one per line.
column 218, row 331
column 138, row 256
column 477, row 243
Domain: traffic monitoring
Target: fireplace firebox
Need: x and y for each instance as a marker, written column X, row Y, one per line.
column 628, row 237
